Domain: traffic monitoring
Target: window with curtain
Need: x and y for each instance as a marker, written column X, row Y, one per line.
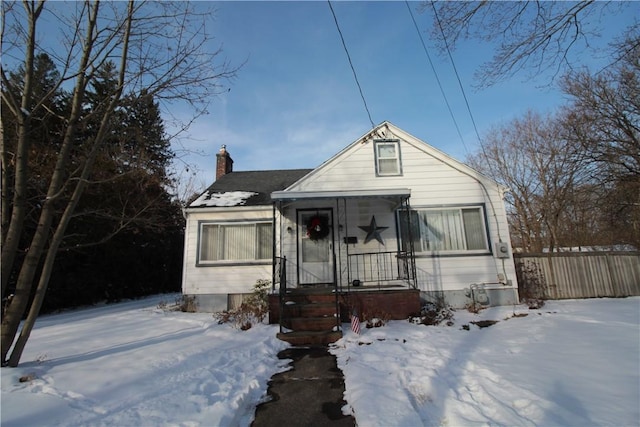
column 454, row 229
column 235, row 241
column 387, row 158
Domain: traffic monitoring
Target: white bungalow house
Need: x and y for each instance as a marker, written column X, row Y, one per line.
column 386, row 222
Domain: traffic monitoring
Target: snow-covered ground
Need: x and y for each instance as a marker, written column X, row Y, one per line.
column 572, row 363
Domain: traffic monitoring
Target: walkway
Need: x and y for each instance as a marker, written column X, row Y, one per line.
column 310, row 394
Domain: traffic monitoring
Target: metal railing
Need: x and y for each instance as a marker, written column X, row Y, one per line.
column 381, row 267
column 279, row 273
column 280, row 277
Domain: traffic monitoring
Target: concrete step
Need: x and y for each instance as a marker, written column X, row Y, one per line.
column 310, row 337
column 325, row 323
column 319, row 309
column 309, row 297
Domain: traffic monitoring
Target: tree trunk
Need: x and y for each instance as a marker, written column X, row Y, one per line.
column 58, row 236
column 25, row 282
column 52, row 251
column 11, row 239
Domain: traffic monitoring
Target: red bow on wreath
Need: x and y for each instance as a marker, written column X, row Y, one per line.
column 318, row 227
column 315, row 223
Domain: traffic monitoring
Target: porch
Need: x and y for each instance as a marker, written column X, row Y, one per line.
column 314, row 315
column 332, row 257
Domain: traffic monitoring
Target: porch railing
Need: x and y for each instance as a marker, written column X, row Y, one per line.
column 279, row 273
column 280, row 277
column 381, row 268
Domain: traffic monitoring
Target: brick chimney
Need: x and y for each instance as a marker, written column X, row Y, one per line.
column 224, row 163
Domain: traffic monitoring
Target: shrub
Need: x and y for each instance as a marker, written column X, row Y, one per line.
column 252, row 310
column 434, row 313
column 474, row 307
column 532, row 284
column 187, row 303
column 375, row 319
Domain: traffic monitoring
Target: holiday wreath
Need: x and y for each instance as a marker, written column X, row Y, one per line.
column 318, row 227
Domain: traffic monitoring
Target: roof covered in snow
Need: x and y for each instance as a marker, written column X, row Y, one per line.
column 251, row 188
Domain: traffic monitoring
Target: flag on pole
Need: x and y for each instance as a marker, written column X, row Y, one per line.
column 355, row 323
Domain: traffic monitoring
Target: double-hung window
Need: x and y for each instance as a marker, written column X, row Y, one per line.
column 445, row 230
column 387, row 157
column 235, row 241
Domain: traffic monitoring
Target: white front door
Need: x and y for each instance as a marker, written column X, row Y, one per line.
column 315, row 247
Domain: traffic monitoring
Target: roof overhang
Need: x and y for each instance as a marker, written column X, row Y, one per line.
column 342, row 194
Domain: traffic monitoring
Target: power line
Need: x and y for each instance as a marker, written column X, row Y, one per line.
column 351, row 64
column 455, row 69
column 424, row 47
column 482, row 184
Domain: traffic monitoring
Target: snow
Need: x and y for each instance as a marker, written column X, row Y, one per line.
column 230, row 198
column 574, row 362
column 570, row 363
column 132, row 364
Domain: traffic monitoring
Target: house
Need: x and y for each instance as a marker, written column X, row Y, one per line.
column 387, row 222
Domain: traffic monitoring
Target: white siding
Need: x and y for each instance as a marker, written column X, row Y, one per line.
column 221, row 279
column 435, row 180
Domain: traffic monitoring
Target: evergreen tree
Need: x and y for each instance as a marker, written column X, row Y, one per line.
column 125, row 238
column 183, row 69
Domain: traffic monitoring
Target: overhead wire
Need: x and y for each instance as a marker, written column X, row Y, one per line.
column 344, row 45
column 426, row 52
column 455, row 69
column 464, row 95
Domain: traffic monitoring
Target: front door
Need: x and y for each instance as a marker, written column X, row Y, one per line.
column 315, row 247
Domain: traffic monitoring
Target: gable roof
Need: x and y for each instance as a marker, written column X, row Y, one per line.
column 250, row 188
column 387, row 130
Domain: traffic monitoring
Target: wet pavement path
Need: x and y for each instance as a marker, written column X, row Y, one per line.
column 310, row 394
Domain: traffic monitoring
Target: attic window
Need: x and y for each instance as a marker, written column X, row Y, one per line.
column 387, row 153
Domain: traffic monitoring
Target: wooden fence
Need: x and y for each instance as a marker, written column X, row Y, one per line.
column 567, row 275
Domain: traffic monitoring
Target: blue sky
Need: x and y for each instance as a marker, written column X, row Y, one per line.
column 295, row 102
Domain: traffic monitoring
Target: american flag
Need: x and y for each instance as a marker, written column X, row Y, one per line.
column 355, row 323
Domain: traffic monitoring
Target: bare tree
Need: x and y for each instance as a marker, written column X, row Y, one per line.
column 604, row 114
column 534, row 35
column 603, row 118
column 159, row 48
column 541, row 170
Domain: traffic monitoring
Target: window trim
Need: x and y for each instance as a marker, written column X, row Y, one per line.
column 488, row 251
column 398, row 158
column 225, row 262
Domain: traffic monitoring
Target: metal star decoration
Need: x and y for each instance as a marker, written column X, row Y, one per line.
column 373, row 231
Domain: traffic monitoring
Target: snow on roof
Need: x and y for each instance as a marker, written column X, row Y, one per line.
column 229, row 198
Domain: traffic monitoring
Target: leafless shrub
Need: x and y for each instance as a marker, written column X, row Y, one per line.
column 435, row 313
column 252, row 311
column 375, row 318
column 532, row 284
column 187, row 304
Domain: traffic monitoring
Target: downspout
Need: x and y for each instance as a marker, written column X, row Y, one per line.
column 495, row 217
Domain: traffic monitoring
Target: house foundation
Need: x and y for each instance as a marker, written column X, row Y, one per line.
column 397, row 304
